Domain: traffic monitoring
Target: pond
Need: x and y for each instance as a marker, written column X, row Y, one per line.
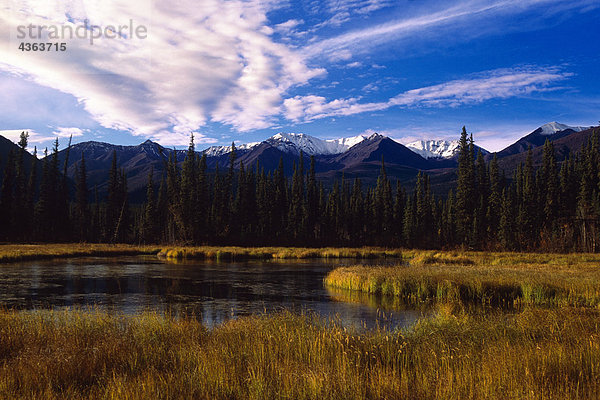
column 210, row 291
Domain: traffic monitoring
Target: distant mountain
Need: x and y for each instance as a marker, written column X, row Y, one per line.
column 552, row 127
column 551, row 131
column 293, row 143
column 137, row 161
column 6, row 146
column 563, row 146
column 296, row 142
column 439, row 149
column 377, row 146
column 354, row 157
column 217, row 151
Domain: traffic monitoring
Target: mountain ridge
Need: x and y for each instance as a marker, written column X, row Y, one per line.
column 355, row 157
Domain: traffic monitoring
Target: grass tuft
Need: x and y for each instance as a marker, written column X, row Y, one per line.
column 536, row 354
column 505, row 279
column 25, row 252
column 267, row 253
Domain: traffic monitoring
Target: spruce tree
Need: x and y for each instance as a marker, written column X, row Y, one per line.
column 495, row 200
column 31, row 196
column 149, row 217
column 203, row 200
column 399, row 206
column 113, row 205
column 82, row 212
column 357, row 212
column 312, row 201
column 43, row 207
column 297, row 211
column 384, row 204
column 409, row 226
column 7, row 196
column 465, row 192
column 188, row 196
column 482, row 199
column 19, row 195
column 528, row 211
column 507, row 227
column 551, row 187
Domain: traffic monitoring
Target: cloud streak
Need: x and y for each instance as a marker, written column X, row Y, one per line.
column 458, row 17
column 496, row 84
column 214, row 62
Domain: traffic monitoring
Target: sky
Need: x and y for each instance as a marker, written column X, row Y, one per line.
column 244, row 70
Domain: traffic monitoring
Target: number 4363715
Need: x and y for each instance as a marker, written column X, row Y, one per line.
column 25, row 46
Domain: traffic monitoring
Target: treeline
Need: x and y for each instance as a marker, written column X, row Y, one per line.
column 554, row 207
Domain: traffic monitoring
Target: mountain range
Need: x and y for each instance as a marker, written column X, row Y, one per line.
column 359, row 156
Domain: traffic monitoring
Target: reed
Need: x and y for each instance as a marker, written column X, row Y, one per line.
column 535, row 354
column 484, row 278
column 24, row 252
column 267, row 253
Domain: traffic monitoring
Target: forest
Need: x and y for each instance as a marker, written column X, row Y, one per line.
column 554, row 207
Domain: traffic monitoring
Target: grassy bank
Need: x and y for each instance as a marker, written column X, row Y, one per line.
column 484, row 278
column 266, row 253
column 533, row 355
column 24, row 252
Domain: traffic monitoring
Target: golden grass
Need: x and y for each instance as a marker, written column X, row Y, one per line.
column 23, row 252
column 536, row 354
column 485, row 278
column 265, row 253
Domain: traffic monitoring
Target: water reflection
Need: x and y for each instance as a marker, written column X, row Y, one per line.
column 212, row 291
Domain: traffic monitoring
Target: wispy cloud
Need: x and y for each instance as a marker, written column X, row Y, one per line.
column 496, row 84
column 64, row 132
column 35, row 138
column 459, row 17
column 214, row 62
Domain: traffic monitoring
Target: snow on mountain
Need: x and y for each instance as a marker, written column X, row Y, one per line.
column 434, row 148
column 214, row 151
column 552, row 127
column 351, row 141
column 310, row 145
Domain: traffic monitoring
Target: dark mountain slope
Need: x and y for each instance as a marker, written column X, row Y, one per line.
column 564, row 145
column 376, row 147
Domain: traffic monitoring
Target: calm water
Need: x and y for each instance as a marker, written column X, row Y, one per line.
column 213, row 292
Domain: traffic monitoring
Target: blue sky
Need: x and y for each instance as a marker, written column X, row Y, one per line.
column 245, row 70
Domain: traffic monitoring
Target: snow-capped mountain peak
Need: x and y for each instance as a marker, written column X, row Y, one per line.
column 434, row 148
column 215, row 151
column 552, row 127
column 310, row 145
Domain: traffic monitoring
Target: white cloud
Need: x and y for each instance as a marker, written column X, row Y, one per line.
column 463, row 15
column 288, row 26
column 342, row 11
column 355, row 64
column 64, row 132
column 496, row 84
column 34, row 139
column 213, row 61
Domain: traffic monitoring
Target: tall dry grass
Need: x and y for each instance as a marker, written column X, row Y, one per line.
column 24, row 252
column 266, row 253
column 485, row 278
column 536, row 354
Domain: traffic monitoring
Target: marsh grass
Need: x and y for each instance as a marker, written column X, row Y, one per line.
column 266, row 253
column 24, row 252
column 536, row 354
column 507, row 279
